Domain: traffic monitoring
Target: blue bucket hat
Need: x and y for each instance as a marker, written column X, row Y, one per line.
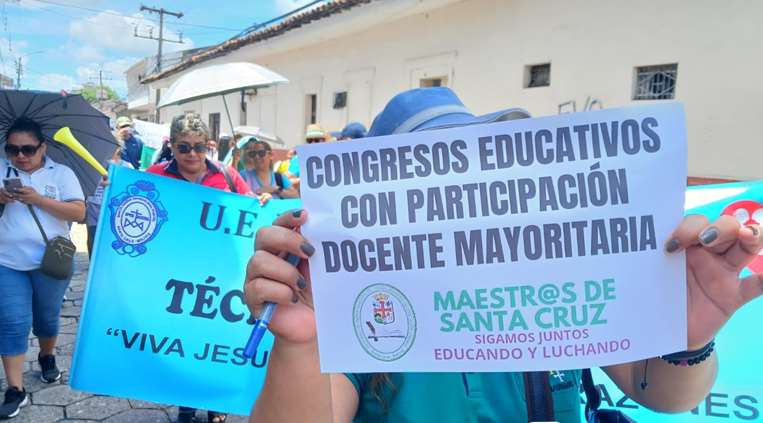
column 354, row 130
column 432, row 108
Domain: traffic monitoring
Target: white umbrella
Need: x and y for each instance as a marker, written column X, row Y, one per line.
column 260, row 134
column 219, row 80
column 246, row 132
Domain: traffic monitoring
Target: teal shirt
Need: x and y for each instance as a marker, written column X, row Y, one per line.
column 462, row 398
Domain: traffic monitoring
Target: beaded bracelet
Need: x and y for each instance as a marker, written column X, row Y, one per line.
column 690, row 358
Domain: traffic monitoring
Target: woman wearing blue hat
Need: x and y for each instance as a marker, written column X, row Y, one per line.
column 296, row 391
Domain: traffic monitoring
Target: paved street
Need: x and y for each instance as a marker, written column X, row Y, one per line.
column 57, row 402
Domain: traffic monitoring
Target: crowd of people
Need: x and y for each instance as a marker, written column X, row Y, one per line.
column 48, row 193
column 41, row 198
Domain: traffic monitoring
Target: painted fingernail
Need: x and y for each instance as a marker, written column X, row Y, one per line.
column 709, row 235
column 297, row 213
column 308, row 249
column 294, row 298
column 301, row 282
column 754, row 229
column 672, row 245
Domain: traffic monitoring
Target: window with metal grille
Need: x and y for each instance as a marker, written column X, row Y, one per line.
column 656, row 82
column 538, row 75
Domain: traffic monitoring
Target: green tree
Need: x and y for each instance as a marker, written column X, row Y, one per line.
column 90, row 92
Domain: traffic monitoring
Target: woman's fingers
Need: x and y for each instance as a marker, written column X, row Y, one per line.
column 725, row 236
column 268, row 265
column 257, row 291
column 695, row 229
column 721, row 235
column 687, row 233
column 751, row 288
column 746, row 248
column 266, row 268
column 278, row 239
column 264, row 198
column 5, row 197
column 291, row 219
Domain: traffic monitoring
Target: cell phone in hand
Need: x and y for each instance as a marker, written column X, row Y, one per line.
column 12, row 184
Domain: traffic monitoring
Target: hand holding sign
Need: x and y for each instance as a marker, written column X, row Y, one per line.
column 715, row 254
column 269, row 278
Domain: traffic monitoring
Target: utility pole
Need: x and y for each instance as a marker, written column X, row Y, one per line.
column 19, row 70
column 161, row 38
column 101, row 92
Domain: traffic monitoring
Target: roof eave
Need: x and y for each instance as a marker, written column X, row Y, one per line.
column 294, row 22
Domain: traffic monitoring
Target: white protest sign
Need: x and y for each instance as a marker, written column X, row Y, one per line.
column 151, row 133
column 523, row 245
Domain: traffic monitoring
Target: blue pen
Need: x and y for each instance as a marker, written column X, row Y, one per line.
column 261, row 325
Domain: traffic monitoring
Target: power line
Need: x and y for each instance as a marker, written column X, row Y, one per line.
column 100, row 94
column 111, row 12
column 161, row 38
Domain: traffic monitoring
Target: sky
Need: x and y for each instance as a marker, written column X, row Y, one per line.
column 63, row 44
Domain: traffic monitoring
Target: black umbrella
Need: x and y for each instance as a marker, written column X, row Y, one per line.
column 54, row 111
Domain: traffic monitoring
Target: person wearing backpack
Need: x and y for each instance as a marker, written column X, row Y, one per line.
column 258, row 171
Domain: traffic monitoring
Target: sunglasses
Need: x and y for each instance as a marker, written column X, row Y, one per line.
column 27, row 150
column 314, row 140
column 125, row 126
column 254, row 153
column 186, row 149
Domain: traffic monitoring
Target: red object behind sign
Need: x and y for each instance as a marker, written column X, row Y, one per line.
column 748, row 212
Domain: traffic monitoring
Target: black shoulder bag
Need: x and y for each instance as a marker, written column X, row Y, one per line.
column 540, row 402
column 593, row 401
column 58, row 260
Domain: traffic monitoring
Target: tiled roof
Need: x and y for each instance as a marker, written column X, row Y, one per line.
column 292, row 22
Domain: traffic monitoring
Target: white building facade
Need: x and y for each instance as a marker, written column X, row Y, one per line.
column 140, row 101
column 549, row 57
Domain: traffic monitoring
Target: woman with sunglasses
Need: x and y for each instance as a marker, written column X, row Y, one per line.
column 314, row 133
column 30, row 299
column 259, row 175
column 188, row 141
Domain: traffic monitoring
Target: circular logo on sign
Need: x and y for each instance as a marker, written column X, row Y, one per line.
column 384, row 321
column 136, row 217
column 135, row 220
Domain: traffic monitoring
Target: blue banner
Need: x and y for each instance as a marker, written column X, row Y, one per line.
column 163, row 318
column 738, row 391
